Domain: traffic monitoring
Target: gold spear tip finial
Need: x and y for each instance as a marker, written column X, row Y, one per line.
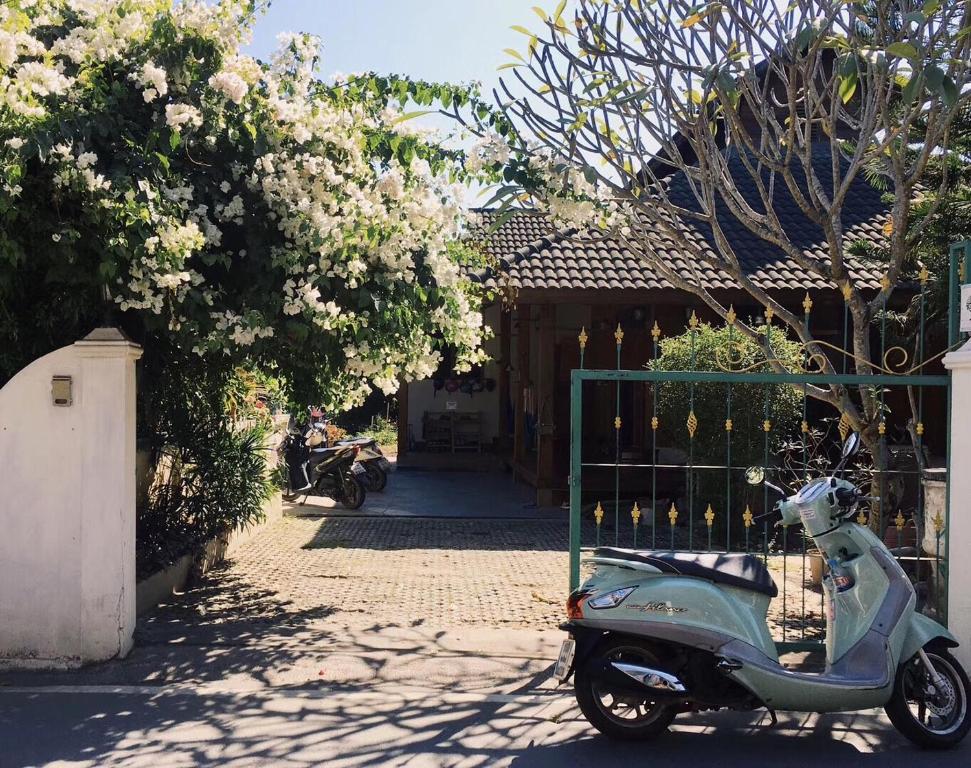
column 847, row 290
column 807, row 303
column 730, row 316
column 693, row 320
column 769, row 314
column 656, row 331
column 709, row 516
column 673, row 514
column 885, row 282
column 582, row 338
column 635, row 513
column 747, row 516
column 598, row 513
column 619, row 334
column 924, row 275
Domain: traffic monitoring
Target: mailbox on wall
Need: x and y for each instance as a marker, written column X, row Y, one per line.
column 62, row 391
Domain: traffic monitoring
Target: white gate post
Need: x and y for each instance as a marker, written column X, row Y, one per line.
column 107, row 493
column 958, row 530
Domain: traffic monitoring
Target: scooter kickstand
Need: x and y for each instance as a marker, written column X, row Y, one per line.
column 775, row 720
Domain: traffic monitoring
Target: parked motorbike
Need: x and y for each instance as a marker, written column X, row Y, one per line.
column 372, row 458
column 654, row 634
column 316, row 470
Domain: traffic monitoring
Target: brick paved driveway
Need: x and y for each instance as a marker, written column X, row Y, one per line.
column 368, row 571
column 372, row 573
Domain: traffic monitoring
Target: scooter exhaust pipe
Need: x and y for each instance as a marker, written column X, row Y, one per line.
column 654, row 679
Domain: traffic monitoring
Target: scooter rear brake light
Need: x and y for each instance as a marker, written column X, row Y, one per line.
column 574, row 604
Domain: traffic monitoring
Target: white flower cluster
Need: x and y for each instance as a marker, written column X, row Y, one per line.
column 77, row 170
column 488, row 151
column 345, row 234
column 179, row 115
column 153, row 80
column 568, row 197
column 230, row 84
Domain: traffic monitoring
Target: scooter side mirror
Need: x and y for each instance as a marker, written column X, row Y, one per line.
column 755, row 475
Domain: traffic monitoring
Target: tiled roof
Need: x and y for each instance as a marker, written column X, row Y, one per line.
column 533, row 254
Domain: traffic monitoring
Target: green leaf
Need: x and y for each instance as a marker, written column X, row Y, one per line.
column 848, row 84
column 910, row 90
column 510, row 65
column 514, row 53
column 521, row 30
column 902, row 50
column 951, row 93
column 175, row 139
column 935, row 77
column 412, row 115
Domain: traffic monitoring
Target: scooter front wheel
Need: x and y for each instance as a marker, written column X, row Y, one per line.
column 932, row 716
column 353, row 492
column 620, row 714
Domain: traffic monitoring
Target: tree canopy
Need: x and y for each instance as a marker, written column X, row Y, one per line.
column 743, row 102
column 243, row 210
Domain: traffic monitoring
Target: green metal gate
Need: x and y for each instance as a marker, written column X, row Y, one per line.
column 624, row 500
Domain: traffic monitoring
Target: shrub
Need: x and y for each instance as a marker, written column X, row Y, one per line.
column 209, row 473
column 714, row 349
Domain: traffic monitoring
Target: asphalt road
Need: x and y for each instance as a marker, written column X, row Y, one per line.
column 393, row 725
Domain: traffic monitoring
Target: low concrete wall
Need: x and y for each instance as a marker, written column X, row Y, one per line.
column 67, row 506
column 160, row 586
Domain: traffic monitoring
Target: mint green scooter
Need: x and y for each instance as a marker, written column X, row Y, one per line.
column 653, row 634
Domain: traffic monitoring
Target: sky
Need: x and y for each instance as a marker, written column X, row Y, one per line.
column 441, row 40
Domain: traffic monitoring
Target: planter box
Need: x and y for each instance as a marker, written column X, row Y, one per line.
column 160, row 586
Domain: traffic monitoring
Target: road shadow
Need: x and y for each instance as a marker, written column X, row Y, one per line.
column 387, row 727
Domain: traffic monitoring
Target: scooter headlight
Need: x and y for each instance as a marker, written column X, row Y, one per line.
column 610, row 599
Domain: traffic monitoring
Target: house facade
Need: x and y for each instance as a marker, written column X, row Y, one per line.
column 518, row 406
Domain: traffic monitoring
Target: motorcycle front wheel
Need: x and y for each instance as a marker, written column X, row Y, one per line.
column 931, row 716
column 354, row 492
column 620, row 714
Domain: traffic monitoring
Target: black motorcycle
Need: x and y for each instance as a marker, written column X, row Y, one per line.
column 314, row 470
column 372, row 458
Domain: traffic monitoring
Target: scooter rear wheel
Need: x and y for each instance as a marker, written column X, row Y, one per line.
column 620, row 714
column 931, row 718
column 377, row 478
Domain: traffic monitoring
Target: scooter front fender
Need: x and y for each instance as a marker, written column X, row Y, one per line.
column 921, row 631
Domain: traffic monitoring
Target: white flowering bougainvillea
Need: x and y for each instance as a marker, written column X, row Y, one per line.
column 245, row 209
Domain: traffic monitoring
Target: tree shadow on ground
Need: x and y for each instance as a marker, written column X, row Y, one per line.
column 390, row 728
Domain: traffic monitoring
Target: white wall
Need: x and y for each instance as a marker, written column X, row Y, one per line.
column 67, row 506
column 958, row 531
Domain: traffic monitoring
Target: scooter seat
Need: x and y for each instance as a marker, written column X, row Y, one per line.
column 733, row 570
